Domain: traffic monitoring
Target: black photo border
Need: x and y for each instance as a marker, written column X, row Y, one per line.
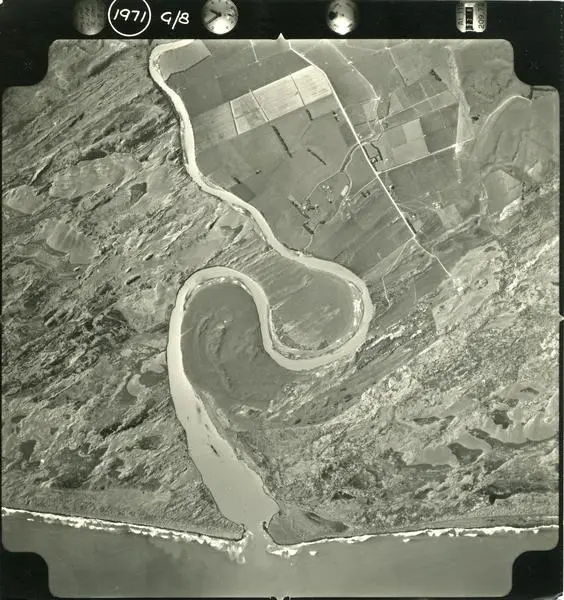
column 536, row 32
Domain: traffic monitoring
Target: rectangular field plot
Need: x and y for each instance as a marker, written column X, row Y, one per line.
column 440, row 128
column 396, row 137
column 380, row 71
column 441, row 139
column 449, row 115
column 370, row 235
column 284, row 96
column 325, row 139
column 349, row 90
column 312, row 84
column 304, row 172
column 247, row 113
column 243, row 192
column 398, row 146
column 401, row 118
column 278, row 98
column 182, row 58
column 262, row 149
column 249, row 121
column 419, row 92
column 432, row 123
column 234, row 162
column 229, row 165
column 322, row 107
column 432, row 173
column 433, row 103
column 244, row 105
column 349, row 85
column 413, row 130
column 199, row 91
column 221, row 178
column 208, row 160
column 235, row 83
column 442, row 100
column 364, row 116
column 282, row 181
column 286, row 219
column 432, row 84
column 418, row 137
column 410, row 94
column 240, row 58
column 214, row 126
column 238, row 83
column 292, row 127
column 410, row 60
column 281, row 64
column 258, row 182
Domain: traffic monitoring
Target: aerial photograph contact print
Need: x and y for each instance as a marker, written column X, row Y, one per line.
column 280, row 317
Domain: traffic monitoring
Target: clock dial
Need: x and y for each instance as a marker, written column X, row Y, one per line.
column 220, row 16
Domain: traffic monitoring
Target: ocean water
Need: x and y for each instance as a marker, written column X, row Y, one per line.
column 84, row 562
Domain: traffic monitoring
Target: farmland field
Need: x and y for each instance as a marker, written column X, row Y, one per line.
column 374, row 345
column 433, row 186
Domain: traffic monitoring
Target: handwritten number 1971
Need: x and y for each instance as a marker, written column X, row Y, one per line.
column 125, row 13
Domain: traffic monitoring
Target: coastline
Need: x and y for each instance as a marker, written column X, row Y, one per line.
column 269, row 340
column 189, row 408
column 151, row 527
column 235, row 546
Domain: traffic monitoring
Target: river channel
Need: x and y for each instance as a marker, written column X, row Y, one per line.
column 237, row 489
column 92, row 560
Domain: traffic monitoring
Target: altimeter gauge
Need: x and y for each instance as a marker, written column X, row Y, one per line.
column 219, row 16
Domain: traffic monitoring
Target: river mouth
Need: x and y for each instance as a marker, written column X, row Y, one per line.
column 237, row 490
column 99, row 552
column 289, row 358
column 209, row 450
column 479, row 564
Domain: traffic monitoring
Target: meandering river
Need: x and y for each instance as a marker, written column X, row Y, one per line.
column 237, row 489
column 89, row 559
